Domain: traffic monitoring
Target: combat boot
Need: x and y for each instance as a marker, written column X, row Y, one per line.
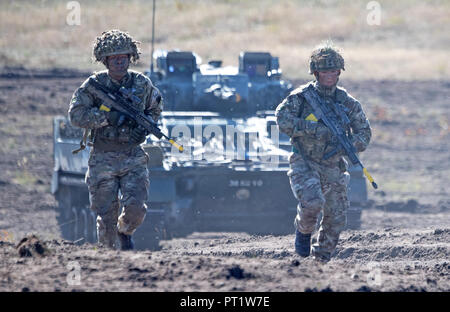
column 302, row 243
column 126, row 242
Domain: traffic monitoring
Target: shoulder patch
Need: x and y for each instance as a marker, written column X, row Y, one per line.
column 141, row 78
column 101, row 76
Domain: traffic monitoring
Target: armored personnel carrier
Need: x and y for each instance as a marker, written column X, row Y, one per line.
column 232, row 173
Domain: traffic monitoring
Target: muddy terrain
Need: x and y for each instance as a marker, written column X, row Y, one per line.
column 403, row 244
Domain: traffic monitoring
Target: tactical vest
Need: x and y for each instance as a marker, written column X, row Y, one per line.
column 308, row 144
column 113, row 138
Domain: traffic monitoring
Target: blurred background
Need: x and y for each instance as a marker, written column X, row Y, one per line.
column 405, row 39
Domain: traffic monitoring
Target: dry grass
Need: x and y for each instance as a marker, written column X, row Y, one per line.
column 411, row 42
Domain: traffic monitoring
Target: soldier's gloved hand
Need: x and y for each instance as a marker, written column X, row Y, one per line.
column 115, row 118
column 138, row 135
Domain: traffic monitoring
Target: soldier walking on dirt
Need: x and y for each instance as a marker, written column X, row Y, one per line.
column 320, row 183
column 117, row 161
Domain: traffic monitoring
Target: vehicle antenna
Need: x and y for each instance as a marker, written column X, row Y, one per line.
column 153, row 37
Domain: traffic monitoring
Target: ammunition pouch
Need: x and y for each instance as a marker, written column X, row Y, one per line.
column 114, row 139
column 112, row 146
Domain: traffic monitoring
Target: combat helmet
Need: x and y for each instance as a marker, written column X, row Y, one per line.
column 325, row 57
column 114, row 42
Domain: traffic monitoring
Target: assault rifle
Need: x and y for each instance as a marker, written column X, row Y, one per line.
column 343, row 141
column 120, row 101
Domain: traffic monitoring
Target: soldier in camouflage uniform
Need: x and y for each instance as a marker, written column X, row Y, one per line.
column 117, row 160
column 320, row 185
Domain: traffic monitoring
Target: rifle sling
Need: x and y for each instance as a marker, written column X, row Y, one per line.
column 82, row 142
column 108, row 146
column 332, row 110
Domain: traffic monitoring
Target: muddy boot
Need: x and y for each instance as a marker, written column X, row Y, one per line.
column 126, row 242
column 302, row 243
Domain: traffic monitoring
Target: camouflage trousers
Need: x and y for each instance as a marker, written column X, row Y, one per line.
column 108, row 173
column 320, row 189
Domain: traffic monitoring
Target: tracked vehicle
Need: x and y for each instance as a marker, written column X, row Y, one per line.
column 232, row 174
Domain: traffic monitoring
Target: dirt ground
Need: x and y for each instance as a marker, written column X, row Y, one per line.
column 403, row 244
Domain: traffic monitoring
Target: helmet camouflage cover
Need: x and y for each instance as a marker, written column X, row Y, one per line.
column 114, row 42
column 325, row 57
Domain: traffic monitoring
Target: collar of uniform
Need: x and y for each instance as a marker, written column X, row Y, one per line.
column 122, row 82
column 325, row 91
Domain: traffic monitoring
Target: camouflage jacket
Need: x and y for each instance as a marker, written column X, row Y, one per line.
column 313, row 138
column 84, row 109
